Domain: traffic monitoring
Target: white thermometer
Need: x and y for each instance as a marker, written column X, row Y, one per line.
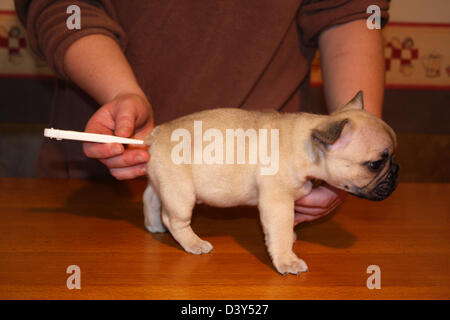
column 88, row 137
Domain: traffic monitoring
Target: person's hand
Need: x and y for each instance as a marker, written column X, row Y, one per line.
column 321, row 201
column 127, row 115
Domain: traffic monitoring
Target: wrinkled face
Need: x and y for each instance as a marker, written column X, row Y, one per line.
column 361, row 160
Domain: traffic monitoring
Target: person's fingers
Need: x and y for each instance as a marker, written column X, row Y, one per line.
column 303, row 214
column 316, row 211
column 101, row 122
column 307, row 214
column 322, row 196
column 129, row 172
column 310, row 211
column 125, row 116
column 125, row 122
column 130, row 157
column 319, row 197
column 102, row 150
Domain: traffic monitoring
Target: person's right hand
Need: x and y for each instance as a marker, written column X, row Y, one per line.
column 127, row 115
column 321, row 201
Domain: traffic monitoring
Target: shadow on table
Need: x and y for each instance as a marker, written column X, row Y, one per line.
column 105, row 199
column 113, row 200
column 243, row 225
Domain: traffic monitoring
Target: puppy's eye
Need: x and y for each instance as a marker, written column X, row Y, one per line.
column 374, row 165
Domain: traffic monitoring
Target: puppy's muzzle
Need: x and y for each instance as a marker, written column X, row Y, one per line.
column 384, row 188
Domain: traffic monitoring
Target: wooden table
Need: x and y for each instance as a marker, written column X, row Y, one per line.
column 48, row 225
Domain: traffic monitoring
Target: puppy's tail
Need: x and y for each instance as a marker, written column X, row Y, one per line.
column 152, row 136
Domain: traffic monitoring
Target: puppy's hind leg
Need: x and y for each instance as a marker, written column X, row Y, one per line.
column 152, row 211
column 176, row 215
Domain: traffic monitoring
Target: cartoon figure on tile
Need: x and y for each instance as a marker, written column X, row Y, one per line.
column 405, row 52
column 14, row 42
column 408, row 54
column 432, row 65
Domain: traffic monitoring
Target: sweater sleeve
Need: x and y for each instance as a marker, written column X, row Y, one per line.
column 315, row 16
column 47, row 32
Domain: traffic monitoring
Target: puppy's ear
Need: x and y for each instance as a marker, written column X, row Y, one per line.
column 328, row 134
column 357, row 103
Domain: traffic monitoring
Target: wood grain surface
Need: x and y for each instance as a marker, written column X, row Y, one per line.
column 47, row 225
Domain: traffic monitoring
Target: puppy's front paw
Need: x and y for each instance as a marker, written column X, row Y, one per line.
column 199, row 247
column 290, row 264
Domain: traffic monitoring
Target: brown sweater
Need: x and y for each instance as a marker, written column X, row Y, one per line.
column 187, row 56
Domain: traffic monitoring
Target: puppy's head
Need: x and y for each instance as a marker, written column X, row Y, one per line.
column 357, row 150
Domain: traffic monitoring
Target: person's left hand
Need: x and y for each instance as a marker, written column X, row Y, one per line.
column 318, row 203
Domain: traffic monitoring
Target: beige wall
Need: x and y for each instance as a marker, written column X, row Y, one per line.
column 420, row 11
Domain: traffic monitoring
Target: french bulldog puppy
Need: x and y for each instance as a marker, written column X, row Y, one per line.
column 350, row 149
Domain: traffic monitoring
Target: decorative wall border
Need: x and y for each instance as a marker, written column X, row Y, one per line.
column 417, row 56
